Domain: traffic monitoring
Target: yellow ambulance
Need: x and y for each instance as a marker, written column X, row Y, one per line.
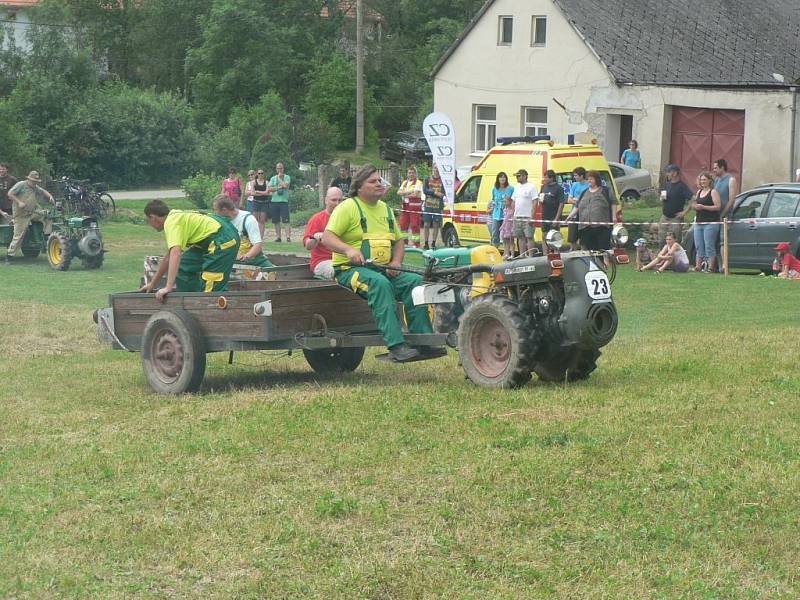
column 467, row 224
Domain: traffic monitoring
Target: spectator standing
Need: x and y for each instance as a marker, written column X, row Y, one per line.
column 497, row 204
column 507, row 228
column 7, row 181
column 279, row 203
column 526, row 198
column 706, row 226
column 432, row 208
column 576, row 188
column 321, row 257
column 672, row 256
column 411, row 191
column 674, row 198
column 261, row 200
column 596, row 210
column 343, row 181
column 553, row 199
column 726, row 185
column 25, row 196
column 232, row 186
column 250, row 241
column 790, row 265
column 631, row 156
column 249, row 190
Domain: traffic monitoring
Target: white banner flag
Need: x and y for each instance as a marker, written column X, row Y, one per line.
column 438, row 130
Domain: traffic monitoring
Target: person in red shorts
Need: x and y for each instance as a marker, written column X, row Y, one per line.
column 411, row 214
column 790, row 265
column 321, row 260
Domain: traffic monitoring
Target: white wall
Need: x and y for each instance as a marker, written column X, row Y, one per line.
column 18, row 27
column 509, row 77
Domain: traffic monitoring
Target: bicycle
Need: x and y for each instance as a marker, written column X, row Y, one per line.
column 83, row 197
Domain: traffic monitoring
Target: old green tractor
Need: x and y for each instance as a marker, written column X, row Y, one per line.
column 71, row 237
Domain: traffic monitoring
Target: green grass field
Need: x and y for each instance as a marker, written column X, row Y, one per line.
column 672, row 472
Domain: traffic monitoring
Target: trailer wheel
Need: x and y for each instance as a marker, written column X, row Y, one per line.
column 59, row 253
column 496, row 342
column 579, row 365
column 334, row 360
column 173, row 352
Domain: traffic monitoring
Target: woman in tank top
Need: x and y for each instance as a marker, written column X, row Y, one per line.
column 706, row 226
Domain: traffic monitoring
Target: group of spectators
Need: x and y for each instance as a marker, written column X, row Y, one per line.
column 264, row 198
column 711, row 201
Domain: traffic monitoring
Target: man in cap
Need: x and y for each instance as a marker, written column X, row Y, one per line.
column 24, row 196
column 674, row 197
column 526, row 198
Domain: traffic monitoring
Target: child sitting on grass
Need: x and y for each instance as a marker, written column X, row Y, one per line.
column 643, row 254
column 790, row 265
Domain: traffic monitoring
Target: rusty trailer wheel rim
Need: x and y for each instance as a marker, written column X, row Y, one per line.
column 167, row 356
column 490, row 347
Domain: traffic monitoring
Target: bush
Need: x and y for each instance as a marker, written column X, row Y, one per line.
column 202, row 188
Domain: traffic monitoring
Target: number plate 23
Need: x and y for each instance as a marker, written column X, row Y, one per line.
column 597, row 285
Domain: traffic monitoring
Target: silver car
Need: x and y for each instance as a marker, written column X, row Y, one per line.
column 631, row 182
column 761, row 218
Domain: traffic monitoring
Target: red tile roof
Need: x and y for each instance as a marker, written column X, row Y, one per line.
column 18, row 3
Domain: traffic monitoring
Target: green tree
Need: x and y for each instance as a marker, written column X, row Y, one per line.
column 331, row 98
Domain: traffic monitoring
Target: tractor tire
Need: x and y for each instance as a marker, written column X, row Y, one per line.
column 574, row 367
column 173, row 352
column 92, row 262
column 59, row 252
column 334, row 360
column 496, row 343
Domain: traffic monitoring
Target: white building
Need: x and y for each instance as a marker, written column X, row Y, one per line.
column 15, row 17
column 689, row 84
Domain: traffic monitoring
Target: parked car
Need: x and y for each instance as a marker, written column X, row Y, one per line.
column 406, row 145
column 631, row 182
column 760, row 218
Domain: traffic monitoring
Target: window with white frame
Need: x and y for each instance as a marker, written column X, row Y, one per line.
column 484, row 117
column 538, row 30
column 505, row 30
column 534, row 120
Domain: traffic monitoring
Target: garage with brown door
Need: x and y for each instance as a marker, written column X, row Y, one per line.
column 702, row 135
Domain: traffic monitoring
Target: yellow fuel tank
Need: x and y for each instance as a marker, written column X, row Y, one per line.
column 483, row 255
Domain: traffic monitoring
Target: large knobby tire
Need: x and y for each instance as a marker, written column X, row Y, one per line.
column 334, row 360
column 495, row 342
column 173, row 352
column 30, row 251
column 93, row 262
column 59, row 252
column 572, row 367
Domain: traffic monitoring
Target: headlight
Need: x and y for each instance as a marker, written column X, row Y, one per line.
column 619, row 235
column 554, row 239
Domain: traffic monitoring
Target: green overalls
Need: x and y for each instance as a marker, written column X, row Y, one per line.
column 206, row 266
column 381, row 291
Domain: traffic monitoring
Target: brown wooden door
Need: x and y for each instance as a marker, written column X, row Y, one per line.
column 702, row 135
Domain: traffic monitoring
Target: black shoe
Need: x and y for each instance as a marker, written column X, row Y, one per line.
column 431, row 351
column 426, row 247
column 288, row 240
column 433, row 246
column 403, row 353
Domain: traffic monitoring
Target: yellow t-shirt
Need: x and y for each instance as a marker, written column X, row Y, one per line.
column 183, row 228
column 345, row 222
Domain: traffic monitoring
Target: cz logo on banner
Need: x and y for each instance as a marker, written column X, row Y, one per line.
column 439, row 133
